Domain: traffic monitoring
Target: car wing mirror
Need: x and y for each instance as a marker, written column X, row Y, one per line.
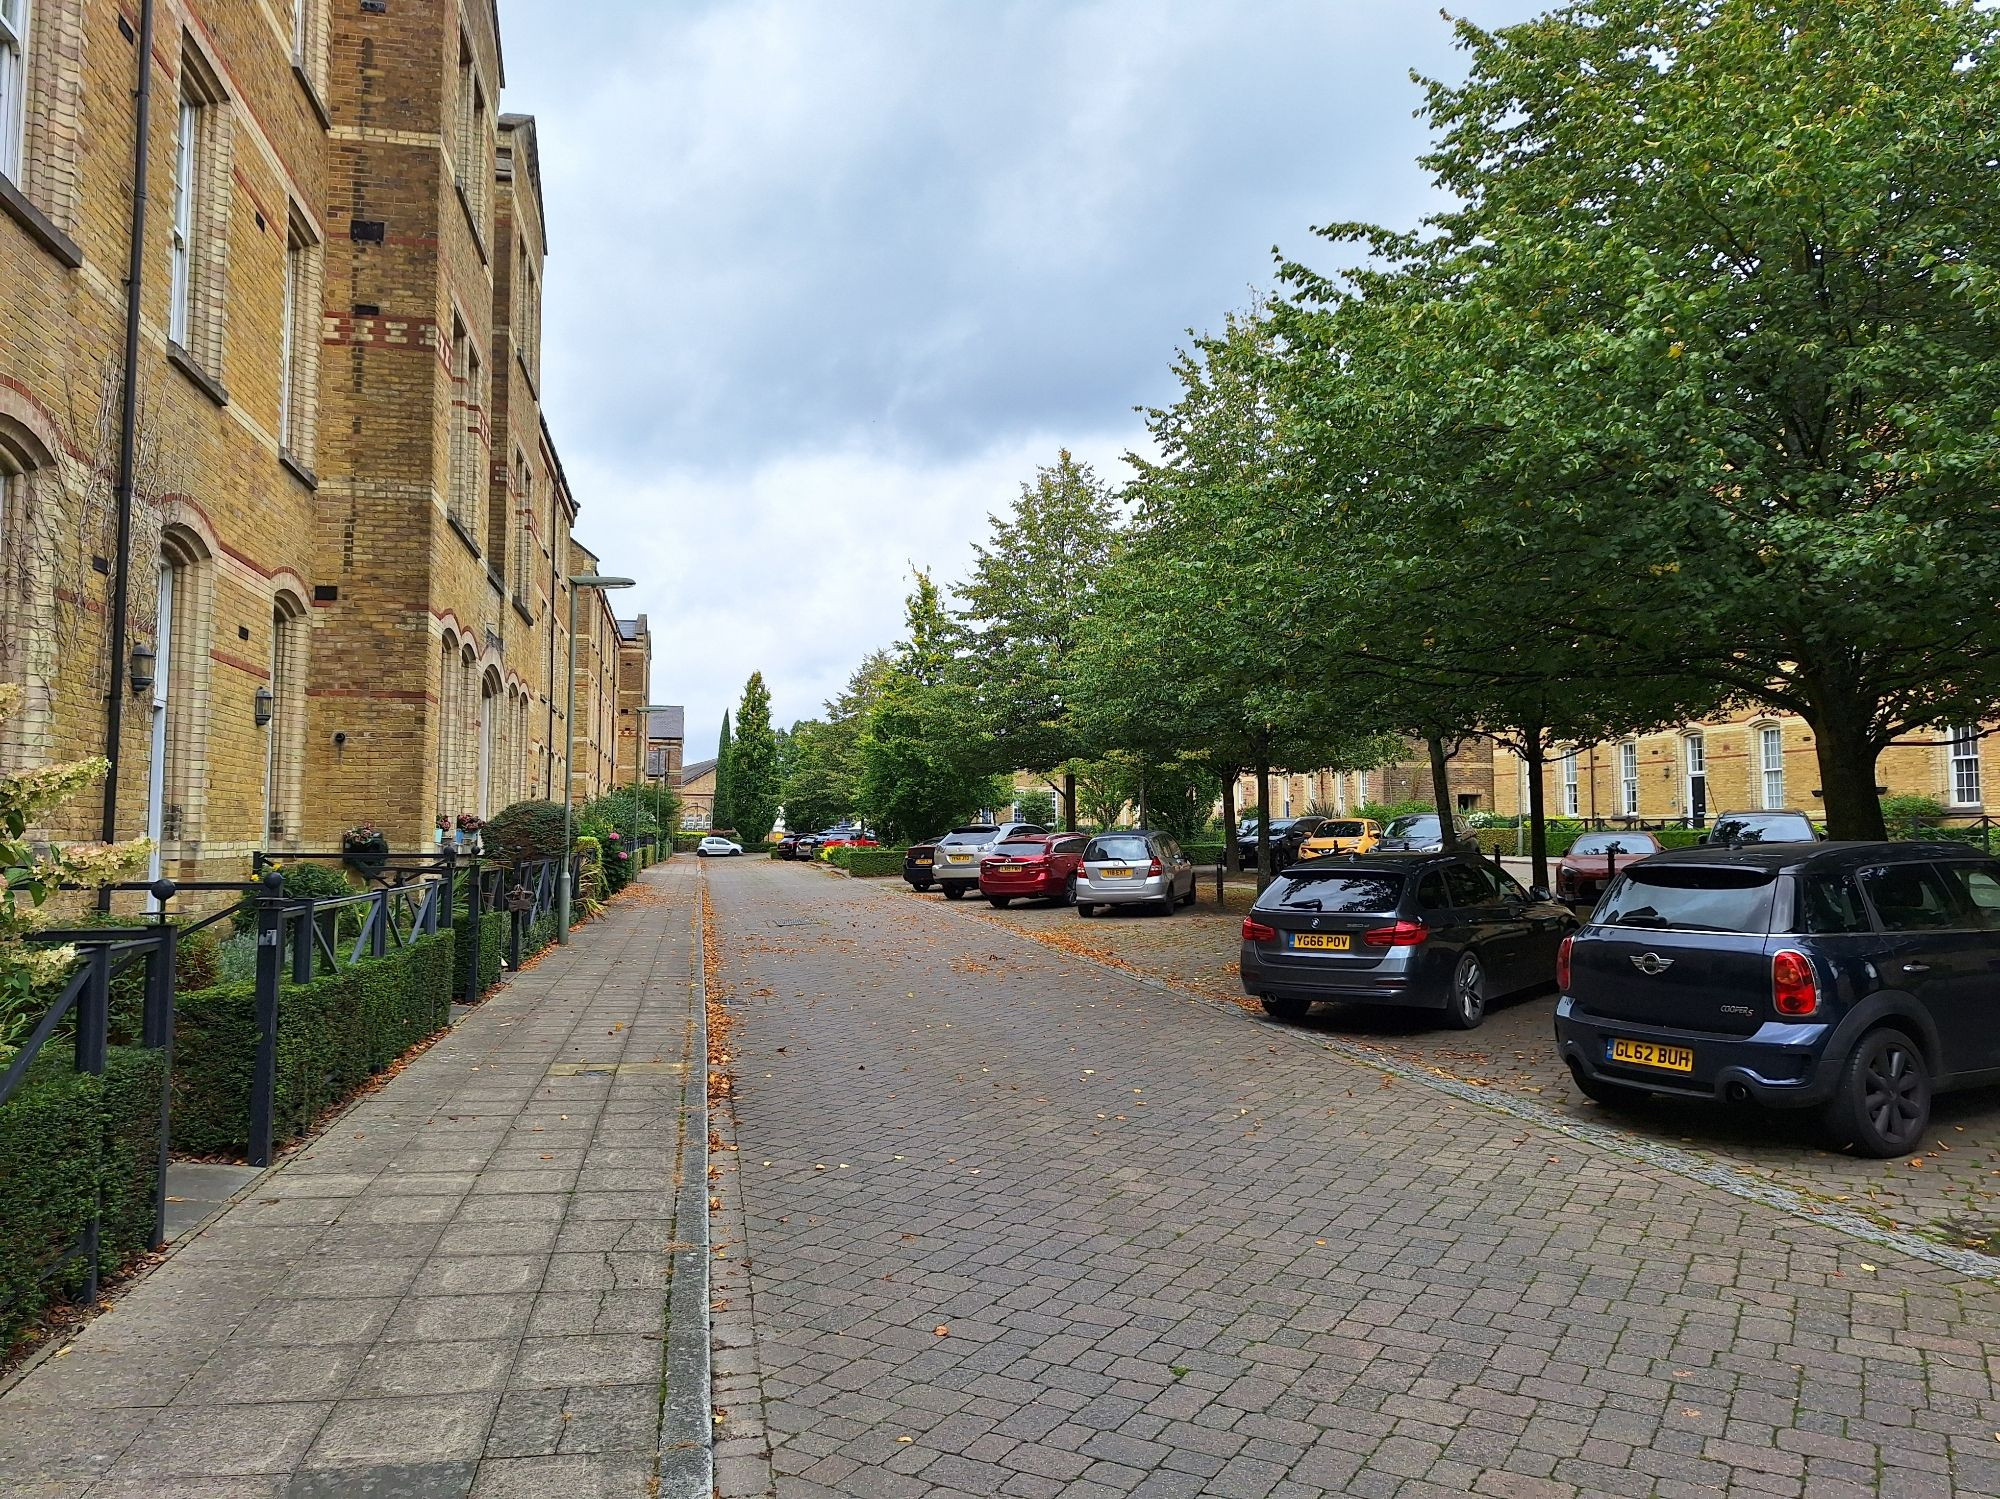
column 1537, row 892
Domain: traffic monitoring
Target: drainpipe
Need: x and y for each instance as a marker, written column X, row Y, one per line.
column 128, row 422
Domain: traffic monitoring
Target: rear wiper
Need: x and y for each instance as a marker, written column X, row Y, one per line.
column 1643, row 918
column 1301, row 905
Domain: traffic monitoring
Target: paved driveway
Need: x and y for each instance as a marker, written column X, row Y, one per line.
column 1001, row 1222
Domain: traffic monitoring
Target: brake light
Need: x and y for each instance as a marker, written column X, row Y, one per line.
column 1155, row 871
column 1562, row 963
column 1255, row 931
column 1402, row 934
column 1794, row 991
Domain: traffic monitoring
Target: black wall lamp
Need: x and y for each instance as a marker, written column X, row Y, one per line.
column 263, row 709
column 142, row 668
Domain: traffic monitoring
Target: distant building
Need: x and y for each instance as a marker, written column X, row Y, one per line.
column 698, row 794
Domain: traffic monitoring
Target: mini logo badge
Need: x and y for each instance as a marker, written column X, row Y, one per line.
column 1652, row 962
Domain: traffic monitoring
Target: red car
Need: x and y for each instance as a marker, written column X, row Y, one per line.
column 1594, row 858
column 1032, row 868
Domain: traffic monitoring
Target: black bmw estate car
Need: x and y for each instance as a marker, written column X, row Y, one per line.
column 1854, row 978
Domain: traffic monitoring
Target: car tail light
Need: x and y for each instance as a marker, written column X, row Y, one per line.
column 1402, row 934
column 1562, row 963
column 1794, row 991
column 1154, row 871
column 1255, row 931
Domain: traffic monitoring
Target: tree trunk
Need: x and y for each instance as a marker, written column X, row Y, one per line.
column 1069, row 801
column 1230, row 862
column 1263, row 819
column 1145, row 812
column 1847, row 751
column 1532, row 754
column 1441, row 787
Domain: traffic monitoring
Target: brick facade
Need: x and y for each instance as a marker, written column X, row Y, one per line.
column 350, row 517
column 1469, row 772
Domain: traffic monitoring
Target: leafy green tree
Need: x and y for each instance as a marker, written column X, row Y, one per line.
column 723, row 813
column 920, row 771
column 816, row 793
column 1704, row 352
column 753, row 763
column 1038, row 807
column 1033, row 584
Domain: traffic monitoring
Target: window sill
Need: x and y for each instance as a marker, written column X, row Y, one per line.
column 41, row 228
column 297, row 469
column 312, row 94
column 472, row 221
column 498, row 583
column 209, row 386
column 534, row 386
column 464, row 535
column 527, row 614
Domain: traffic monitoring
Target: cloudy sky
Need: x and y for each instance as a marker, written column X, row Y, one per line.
column 828, row 279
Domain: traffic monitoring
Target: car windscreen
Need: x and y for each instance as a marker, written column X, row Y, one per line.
column 1689, row 897
column 1016, row 848
column 1118, row 848
column 1600, row 844
column 1338, row 830
column 963, row 839
column 1417, row 825
column 1790, row 828
column 1349, row 892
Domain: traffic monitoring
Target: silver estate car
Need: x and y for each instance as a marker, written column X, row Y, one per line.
column 1132, row 867
column 956, row 865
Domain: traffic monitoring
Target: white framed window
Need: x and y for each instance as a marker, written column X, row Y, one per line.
column 1572, row 792
column 1771, row 764
column 187, row 191
column 1966, row 790
column 13, row 85
column 1628, row 779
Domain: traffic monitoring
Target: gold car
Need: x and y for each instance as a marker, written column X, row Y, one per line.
column 1342, row 835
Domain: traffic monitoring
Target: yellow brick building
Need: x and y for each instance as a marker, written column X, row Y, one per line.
column 349, row 530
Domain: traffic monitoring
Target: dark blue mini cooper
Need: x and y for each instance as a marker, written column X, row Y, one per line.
column 1855, row 978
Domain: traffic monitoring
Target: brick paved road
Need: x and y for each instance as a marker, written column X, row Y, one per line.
column 458, row 1289
column 1013, row 1225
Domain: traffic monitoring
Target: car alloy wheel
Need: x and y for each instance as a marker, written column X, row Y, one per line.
column 1467, row 1004
column 1068, row 896
column 1286, row 1009
column 1882, row 1103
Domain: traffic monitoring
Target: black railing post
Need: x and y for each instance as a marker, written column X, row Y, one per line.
column 270, row 965
column 450, row 883
column 159, row 1035
column 93, row 1016
column 304, row 923
column 474, row 910
column 378, row 940
column 517, row 904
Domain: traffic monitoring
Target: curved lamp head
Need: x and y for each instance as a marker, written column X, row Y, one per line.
column 600, row 580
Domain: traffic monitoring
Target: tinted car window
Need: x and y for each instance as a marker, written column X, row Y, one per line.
column 1910, row 898
column 1016, row 847
column 1349, row 891
column 1126, row 847
column 962, row 839
column 1430, row 892
column 1418, row 825
column 1466, row 886
column 1979, row 890
column 1786, row 827
column 1690, row 898
column 1830, row 905
column 1504, row 883
column 1601, row 844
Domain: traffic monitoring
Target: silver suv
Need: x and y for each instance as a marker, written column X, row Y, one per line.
column 957, row 866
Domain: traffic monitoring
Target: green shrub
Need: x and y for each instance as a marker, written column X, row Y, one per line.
column 1912, row 816
column 867, row 863
column 1204, row 853
column 524, row 830
column 333, row 1035
column 64, row 1138
column 303, row 880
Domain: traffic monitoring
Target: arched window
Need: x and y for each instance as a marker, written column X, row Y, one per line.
column 447, row 716
column 465, row 768
column 183, row 613
column 29, row 648
column 285, row 747
column 490, row 747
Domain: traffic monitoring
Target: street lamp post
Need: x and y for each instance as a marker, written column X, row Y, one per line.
column 576, row 581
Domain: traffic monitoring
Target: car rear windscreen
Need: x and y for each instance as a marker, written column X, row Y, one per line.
column 1690, row 898
column 962, row 838
column 1118, row 848
column 1021, row 847
column 1351, row 891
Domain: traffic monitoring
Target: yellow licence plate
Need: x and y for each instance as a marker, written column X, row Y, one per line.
column 958, row 858
column 1108, row 873
column 1322, row 941
column 1647, row 1054
column 923, row 859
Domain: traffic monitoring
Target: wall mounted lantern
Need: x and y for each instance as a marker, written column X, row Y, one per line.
column 142, row 668
column 263, row 709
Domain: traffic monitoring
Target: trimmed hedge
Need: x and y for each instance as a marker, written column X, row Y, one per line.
column 1562, row 834
column 1203, row 853
column 867, row 863
column 65, row 1137
column 333, row 1035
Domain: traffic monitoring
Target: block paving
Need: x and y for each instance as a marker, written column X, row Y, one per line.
column 1001, row 1223
column 458, row 1289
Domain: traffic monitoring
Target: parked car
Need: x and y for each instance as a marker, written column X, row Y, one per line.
column 1422, row 833
column 1858, row 979
column 1446, row 932
column 1342, row 835
column 1288, row 835
column 845, row 837
column 1031, row 867
column 713, row 847
column 1134, row 867
column 1733, row 829
column 1590, row 863
column 957, row 866
column 787, row 847
column 807, row 847
column 919, row 862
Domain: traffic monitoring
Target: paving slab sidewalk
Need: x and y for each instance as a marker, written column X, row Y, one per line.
column 459, row 1289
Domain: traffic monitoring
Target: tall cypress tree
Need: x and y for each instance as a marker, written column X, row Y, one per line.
column 753, row 763
column 724, row 815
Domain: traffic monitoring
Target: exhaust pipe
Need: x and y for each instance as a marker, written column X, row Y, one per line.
column 1737, row 1093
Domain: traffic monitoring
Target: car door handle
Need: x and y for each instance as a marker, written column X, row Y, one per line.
column 1916, row 968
